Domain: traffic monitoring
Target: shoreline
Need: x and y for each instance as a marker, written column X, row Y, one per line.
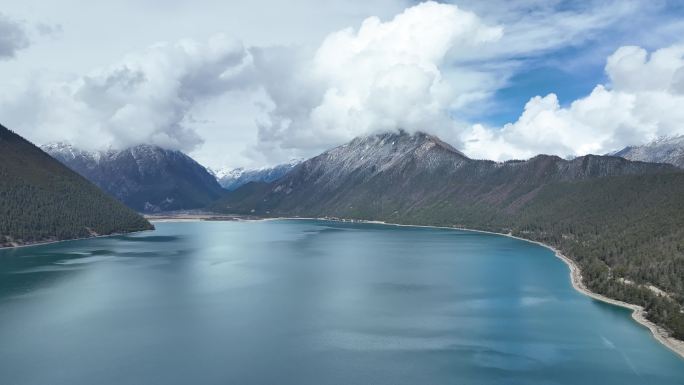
column 197, row 217
column 43, row 243
column 638, row 313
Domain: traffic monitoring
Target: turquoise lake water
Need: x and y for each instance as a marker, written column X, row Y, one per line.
column 307, row 302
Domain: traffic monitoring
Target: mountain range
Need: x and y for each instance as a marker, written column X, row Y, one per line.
column 42, row 200
column 621, row 221
column 146, row 178
column 395, row 174
column 230, row 179
column 151, row 179
column 663, row 150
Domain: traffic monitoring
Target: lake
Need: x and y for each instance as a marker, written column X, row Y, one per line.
column 311, row 302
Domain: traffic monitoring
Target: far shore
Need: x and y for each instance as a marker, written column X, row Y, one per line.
column 50, row 242
column 196, row 216
column 164, row 217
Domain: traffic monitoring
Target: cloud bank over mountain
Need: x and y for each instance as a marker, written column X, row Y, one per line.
column 434, row 67
column 381, row 76
column 145, row 98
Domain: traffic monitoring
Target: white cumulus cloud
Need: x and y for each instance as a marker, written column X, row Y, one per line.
column 147, row 97
column 432, row 66
column 644, row 100
column 382, row 76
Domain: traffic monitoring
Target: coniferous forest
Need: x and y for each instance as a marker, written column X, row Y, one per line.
column 625, row 233
column 42, row 200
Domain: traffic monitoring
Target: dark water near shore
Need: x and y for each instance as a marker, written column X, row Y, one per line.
column 303, row 302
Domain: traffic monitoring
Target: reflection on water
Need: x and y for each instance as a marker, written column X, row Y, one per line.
column 303, row 302
column 147, row 238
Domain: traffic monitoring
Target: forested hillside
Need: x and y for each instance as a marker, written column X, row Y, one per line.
column 626, row 233
column 43, row 200
column 621, row 221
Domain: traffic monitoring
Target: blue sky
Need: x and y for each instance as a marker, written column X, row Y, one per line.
column 541, row 79
column 572, row 71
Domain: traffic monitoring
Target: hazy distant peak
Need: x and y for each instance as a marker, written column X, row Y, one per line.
column 232, row 178
column 662, row 150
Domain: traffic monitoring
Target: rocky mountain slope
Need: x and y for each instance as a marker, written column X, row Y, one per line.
column 230, row 179
column 664, row 150
column 394, row 174
column 42, row 200
column 619, row 220
column 145, row 178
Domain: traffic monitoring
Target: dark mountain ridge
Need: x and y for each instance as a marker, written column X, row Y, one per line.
column 145, row 178
column 42, row 200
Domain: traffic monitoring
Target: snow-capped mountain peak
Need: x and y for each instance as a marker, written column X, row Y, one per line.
column 662, row 150
column 232, row 178
column 145, row 177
